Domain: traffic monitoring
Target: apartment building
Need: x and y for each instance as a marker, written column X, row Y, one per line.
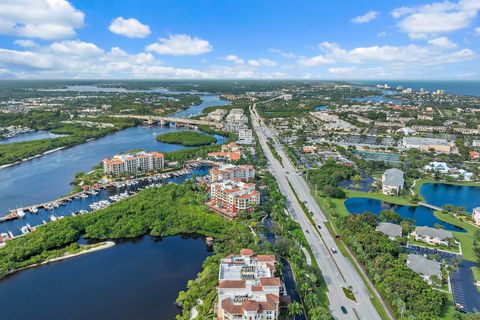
column 425, row 144
column 232, row 172
column 229, row 151
column 133, row 163
column 247, row 287
column 245, row 136
column 229, row 197
column 392, row 182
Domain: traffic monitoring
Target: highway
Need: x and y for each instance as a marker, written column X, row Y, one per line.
column 337, row 270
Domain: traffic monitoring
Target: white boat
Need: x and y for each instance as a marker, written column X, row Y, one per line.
column 33, row 210
column 20, row 213
column 25, row 229
column 53, row 218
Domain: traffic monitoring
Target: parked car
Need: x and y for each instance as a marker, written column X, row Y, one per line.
column 344, row 310
column 334, row 250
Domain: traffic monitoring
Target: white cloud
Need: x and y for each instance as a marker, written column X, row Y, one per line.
column 382, row 34
column 262, row 63
column 442, row 42
column 367, row 17
column 131, row 28
column 477, row 30
column 25, row 43
column 180, row 44
column 45, row 19
column 76, row 48
column 342, row 71
column 235, row 59
column 288, row 55
column 389, row 55
column 437, row 17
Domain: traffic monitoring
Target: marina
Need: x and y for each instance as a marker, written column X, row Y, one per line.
column 24, row 220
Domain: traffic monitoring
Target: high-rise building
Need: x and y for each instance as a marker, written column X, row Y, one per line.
column 230, row 171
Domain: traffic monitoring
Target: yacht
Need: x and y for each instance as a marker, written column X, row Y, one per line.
column 53, row 218
column 20, row 213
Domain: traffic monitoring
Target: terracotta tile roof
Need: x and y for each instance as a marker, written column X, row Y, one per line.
column 273, row 281
column 273, row 298
column 246, row 252
column 250, row 305
column 266, row 257
column 232, row 284
column 228, row 306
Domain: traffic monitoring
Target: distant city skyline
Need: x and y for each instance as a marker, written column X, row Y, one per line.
column 269, row 39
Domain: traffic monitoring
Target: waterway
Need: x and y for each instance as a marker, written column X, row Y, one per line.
column 48, row 177
column 137, row 279
column 30, row 136
column 422, row 216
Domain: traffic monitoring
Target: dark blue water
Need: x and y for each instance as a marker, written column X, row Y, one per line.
column 321, row 108
column 48, row 177
column 462, row 87
column 422, row 216
column 133, row 280
column 440, row 194
column 207, row 101
column 76, row 205
column 29, row 136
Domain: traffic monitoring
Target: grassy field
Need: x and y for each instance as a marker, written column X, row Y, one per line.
column 476, row 273
column 465, row 238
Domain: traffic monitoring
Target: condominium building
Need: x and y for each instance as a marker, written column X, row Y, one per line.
column 392, row 182
column 230, row 197
column 229, row 151
column 476, row 215
column 232, row 172
column 247, row 287
column 425, row 144
column 432, row 235
column 245, row 136
column 133, row 163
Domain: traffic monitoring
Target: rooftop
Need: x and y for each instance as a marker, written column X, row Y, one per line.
column 433, row 233
column 389, row 229
column 423, row 266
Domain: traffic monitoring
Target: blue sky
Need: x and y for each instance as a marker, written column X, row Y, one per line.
column 240, row 39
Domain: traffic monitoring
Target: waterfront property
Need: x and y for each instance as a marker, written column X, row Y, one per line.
column 424, row 267
column 247, row 287
column 230, row 197
column 132, row 163
column 230, row 151
column 426, row 144
column 391, row 230
column 232, row 172
column 245, row 136
column 476, row 215
column 392, row 182
column 432, row 235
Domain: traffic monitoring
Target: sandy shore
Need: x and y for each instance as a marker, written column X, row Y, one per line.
column 95, row 247
column 33, row 157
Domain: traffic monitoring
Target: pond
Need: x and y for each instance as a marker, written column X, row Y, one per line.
column 137, row 279
column 440, row 194
column 422, row 216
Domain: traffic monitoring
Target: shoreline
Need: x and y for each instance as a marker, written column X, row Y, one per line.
column 94, row 247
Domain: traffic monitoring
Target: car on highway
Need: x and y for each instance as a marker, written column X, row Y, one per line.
column 344, row 310
column 307, row 231
column 319, row 226
column 334, row 250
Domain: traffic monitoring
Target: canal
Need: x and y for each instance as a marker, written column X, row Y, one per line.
column 136, row 279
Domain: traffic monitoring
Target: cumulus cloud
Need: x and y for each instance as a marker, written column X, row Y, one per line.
column 235, row 59
column 367, row 17
column 436, row 18
column 262, row 63
column 389, row 55
column 179, row 45
column 45, row 19
column 131, row 28
column 477, row 30
column 25, row 43
column 442, row 42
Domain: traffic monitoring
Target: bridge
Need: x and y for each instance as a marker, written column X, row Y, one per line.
column 430, row 206
column 177, row 121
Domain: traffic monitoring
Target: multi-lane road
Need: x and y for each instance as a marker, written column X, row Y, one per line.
column 337, row 270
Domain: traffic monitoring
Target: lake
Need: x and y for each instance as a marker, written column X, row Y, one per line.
column 422, row 216
column 440, row 194
column 138, row 279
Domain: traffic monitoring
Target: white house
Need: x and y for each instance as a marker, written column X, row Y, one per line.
column 476, row 215
column 392, row 182
column 432, row 235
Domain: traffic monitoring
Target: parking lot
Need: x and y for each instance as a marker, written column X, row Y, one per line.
column 464, row 291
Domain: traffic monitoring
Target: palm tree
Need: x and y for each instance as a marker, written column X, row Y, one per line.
column 294, row 309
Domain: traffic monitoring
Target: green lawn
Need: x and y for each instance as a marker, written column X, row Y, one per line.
column 465, row 238
column 349, row 294
column 476, row 273
column 424, row 244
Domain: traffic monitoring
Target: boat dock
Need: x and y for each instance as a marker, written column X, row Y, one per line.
column 430, row 206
